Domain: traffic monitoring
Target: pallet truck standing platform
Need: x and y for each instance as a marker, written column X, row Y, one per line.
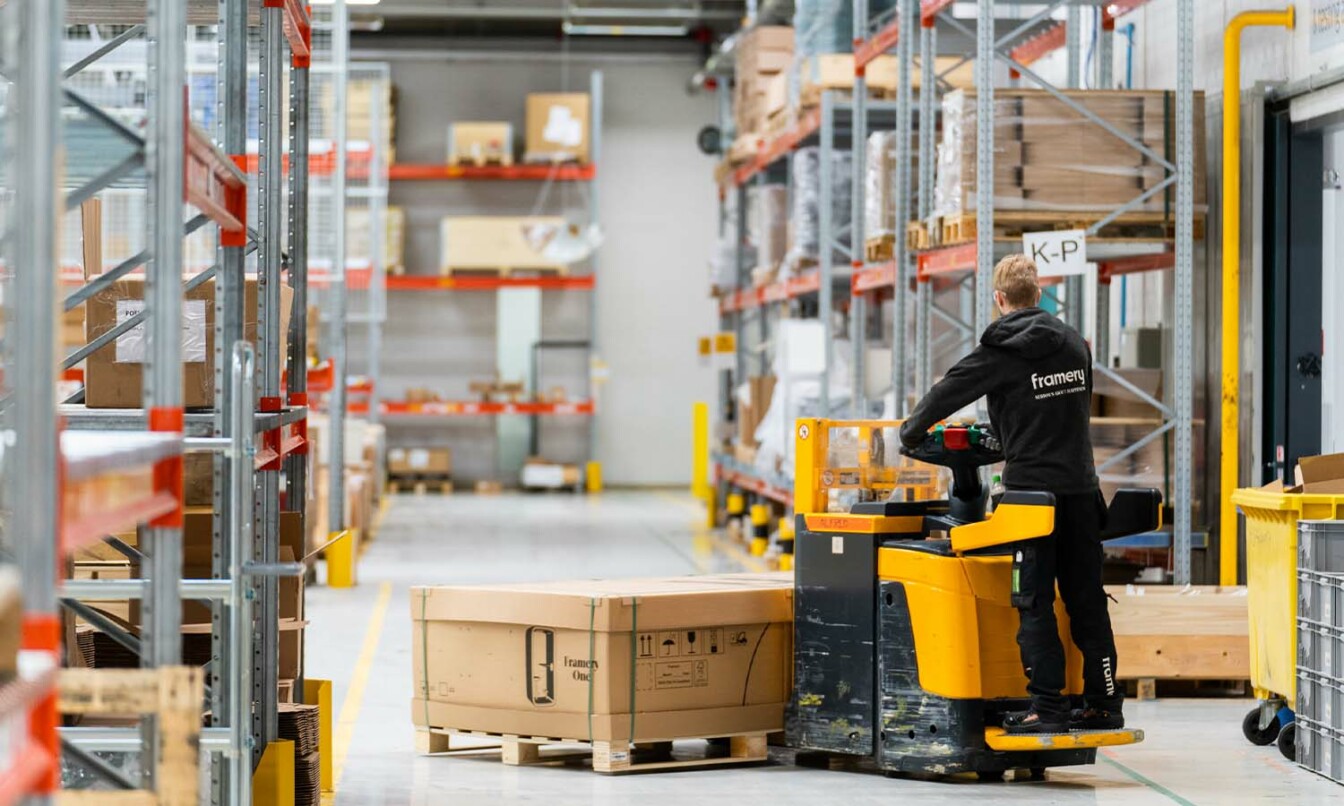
column 905, row 645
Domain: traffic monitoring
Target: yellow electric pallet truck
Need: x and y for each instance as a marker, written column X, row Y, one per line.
column 905, row 645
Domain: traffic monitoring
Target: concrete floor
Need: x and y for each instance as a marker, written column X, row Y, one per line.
column 361, row 639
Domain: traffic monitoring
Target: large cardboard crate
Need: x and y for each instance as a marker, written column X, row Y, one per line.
column 494, row 243
column 622, row 660
column 113, row 375
column 557, row 127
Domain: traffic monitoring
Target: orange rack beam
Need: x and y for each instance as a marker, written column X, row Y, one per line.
column 756, row 485
column 472, row 408
column 746, row 298
column 885, row 38
column 412, row 282
column 298, row 29
column 215, row 186
column 770, row 150
column 524, row 173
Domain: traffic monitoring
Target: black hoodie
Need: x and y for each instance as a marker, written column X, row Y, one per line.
column 1037, row 374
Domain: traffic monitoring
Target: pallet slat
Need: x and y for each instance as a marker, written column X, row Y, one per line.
column 607, row 757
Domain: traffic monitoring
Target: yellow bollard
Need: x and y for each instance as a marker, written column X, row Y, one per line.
column 341, row 559
column 700, row 450
column 786, row 540
column 273, row 779
column 318, row 692
column 760, row 529
column 593, row 476
column 711, row 508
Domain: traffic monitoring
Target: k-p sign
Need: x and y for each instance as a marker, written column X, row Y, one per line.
column 1057, row 252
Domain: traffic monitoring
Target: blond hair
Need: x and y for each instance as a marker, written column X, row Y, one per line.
column 1015, row 278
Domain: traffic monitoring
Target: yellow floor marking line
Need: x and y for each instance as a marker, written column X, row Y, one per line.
column 354, row 695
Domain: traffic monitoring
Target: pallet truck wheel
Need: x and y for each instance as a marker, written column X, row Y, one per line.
column 1250, row 728
column 1038, row 773
column 1288, row 741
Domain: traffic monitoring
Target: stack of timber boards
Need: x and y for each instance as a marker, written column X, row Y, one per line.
column 1196, row 632
column 1052, row 163
column 300, row 724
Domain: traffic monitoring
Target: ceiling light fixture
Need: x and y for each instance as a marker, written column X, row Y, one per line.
column 574, row 29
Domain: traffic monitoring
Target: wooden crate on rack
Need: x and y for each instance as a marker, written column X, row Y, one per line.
column 961, row 227
column 916, row 236
column 879, row 249
column 172, row 694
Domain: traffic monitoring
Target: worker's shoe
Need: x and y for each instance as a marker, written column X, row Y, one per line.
column 1021, row 723
column 1096, row 719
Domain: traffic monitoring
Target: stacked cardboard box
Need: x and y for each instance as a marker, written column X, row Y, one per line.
column 621, row 660
column 762, row 53
column 372, row 102
column 497, row 243
column 480, row 143
column 751, row 409
column 1049, row 157
column 359, row 236
column 558, row 127
column 301, row 724
column 767, row 228
column 365, row 475
column 879, row 197
column 113, row 374
column 424, row 461
column 11, row 622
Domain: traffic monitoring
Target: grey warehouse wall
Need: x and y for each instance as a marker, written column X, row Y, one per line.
column 658, row 211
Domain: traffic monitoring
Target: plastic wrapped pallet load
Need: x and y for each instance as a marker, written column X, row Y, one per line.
column 767, row 228
column 805, row 195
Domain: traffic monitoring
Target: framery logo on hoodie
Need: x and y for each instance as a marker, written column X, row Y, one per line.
column 1059, row 383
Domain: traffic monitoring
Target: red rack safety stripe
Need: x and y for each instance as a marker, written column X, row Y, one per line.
column 168, row 472
column 301, row 427
column 213, row 184
column 42, row 632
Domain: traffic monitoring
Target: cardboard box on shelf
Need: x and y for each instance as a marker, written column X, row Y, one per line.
column 494, row 243
column 112, row 375
column 539, row 473
column 419, row 461
column 489, row 487
column 690, row 656
column 11, row 622
column 557, row 127
column 480, row 143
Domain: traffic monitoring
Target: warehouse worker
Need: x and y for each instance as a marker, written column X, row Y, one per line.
column 1037, row 374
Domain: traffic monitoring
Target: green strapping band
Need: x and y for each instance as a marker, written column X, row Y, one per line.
column 634, row 636
column 424, row 648
column 592, row 670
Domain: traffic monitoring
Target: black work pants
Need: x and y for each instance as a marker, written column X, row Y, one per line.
column 1071, row 556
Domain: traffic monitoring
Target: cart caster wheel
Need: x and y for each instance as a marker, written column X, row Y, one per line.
column 1288, row 741
column 1038, row 773
column 1250, row 728
column 987, row 777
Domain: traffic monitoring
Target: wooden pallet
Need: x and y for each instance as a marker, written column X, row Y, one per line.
column 916, row 236
column 879, row 249
column 481, row 160
column 173, row 695
column 503, row 271
column 420, row 485
column 607, row 757
column 1150, row 688
column 961, row 228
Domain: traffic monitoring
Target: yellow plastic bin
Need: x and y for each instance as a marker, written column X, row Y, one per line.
column 1271, row 580
column 1271, row 591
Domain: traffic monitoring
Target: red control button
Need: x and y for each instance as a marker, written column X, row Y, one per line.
column 956, row 439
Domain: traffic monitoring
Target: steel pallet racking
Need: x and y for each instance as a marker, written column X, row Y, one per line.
column 76, row 474
column 586, row 407
column 968, row 268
